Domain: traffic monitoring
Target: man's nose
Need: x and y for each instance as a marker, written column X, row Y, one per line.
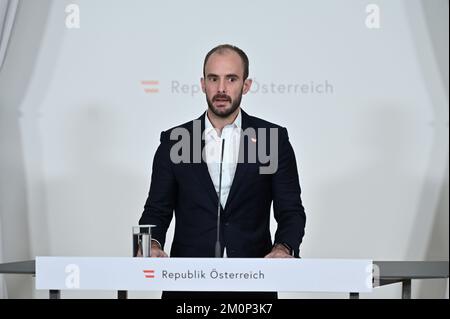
column 222, row 88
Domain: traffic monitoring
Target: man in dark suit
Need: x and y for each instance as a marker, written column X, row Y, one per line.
column 255, row 167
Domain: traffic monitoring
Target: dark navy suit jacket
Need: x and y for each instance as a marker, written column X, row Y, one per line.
column 186, row 189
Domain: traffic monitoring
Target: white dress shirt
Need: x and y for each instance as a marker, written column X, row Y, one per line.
column 231, row 133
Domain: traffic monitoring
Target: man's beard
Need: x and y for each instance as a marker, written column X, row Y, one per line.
column 225, row 112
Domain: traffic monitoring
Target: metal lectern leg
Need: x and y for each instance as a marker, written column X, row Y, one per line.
column 122, row 294
column 55, row 294
column 406, row 289
column 354, row 295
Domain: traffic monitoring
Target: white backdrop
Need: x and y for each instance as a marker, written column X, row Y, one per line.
column 372, row 149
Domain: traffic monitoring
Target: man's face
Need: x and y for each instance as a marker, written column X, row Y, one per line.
column 224, row 82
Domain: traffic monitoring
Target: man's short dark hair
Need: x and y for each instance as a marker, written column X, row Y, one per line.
column 226, row 47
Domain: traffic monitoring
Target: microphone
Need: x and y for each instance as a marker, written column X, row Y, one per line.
column 218, row 246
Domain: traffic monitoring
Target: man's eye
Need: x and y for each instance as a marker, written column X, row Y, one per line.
column 232, row 79
column 213, row 79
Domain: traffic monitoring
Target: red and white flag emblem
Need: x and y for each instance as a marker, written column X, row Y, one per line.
column 149, row 273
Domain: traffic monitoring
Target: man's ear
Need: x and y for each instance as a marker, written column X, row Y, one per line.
column 202, row 82
column 247, row 86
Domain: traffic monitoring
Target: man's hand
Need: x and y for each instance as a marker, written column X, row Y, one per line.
column 279, row 251
column 156, row 251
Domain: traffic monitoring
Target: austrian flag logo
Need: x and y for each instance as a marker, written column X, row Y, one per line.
column 149, row 273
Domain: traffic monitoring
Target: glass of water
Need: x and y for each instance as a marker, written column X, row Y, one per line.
column 142, row 240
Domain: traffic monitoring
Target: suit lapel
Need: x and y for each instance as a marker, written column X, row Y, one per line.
column 241, row 168
column 201, row 169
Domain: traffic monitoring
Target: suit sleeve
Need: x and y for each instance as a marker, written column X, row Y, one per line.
column 161, row 200
column 287, row 204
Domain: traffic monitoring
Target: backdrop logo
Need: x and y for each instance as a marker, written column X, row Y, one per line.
column 150, row 86
column 323, row 87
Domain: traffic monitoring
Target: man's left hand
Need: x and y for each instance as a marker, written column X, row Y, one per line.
column 279, row 251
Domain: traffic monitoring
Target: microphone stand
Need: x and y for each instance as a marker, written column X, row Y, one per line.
column 218, row 246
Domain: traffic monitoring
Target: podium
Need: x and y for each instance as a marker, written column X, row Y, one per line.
column 351, row 276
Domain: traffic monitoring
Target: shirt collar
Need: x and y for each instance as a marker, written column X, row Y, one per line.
column 236, row 124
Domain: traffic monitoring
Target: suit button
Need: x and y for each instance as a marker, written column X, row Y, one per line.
column 227, row 224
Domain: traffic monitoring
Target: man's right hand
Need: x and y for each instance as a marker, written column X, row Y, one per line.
column 157, row 251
